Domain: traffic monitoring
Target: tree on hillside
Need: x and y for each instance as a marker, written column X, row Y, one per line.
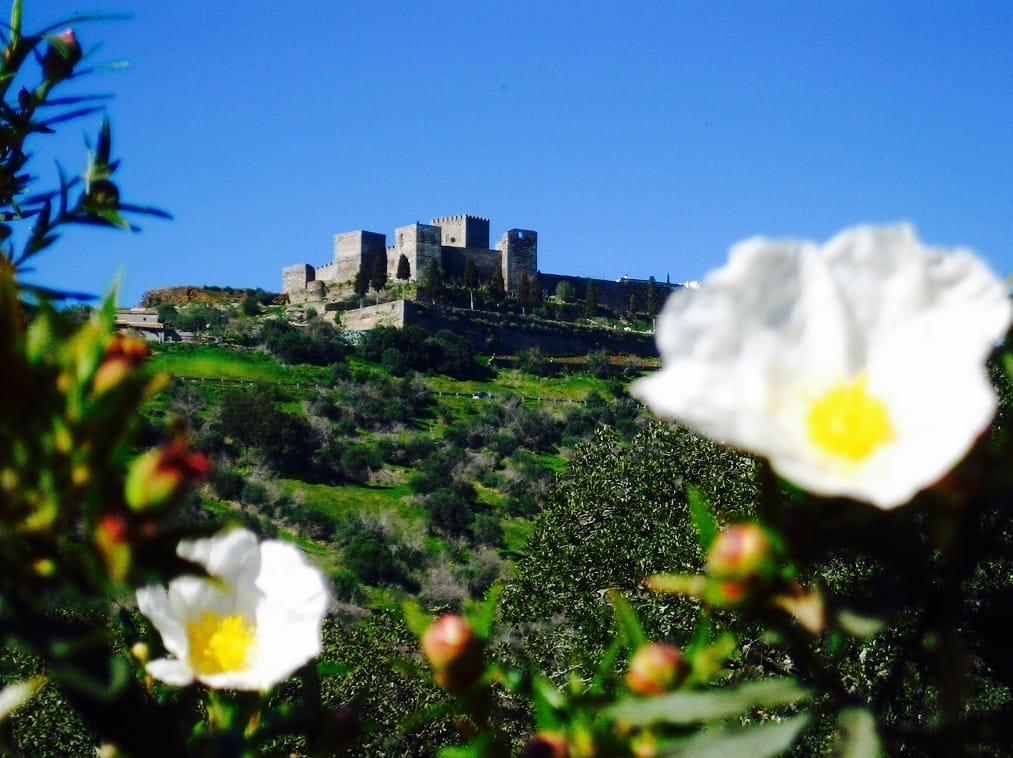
column 471, row 280
column 564, row 291
column 632, row 307
column 167, row 314
column 404, row 271
column 590, row 300
column 378, row 280
column 432, row 280
column 652, row 298
column 497, row 287
column 525, row 294
column 362, row 283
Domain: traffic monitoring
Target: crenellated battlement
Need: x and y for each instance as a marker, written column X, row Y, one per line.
column 460, row 217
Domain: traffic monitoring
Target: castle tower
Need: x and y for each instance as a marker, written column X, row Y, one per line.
column 519, row 254
column 419, row 243
column 463, row 231
column 355, row 249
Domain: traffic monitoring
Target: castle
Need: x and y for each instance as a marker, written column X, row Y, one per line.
column 451, row 241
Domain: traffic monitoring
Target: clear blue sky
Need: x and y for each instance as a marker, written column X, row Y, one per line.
column 636, row 138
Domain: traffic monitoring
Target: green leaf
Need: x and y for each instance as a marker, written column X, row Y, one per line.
column 691, row 707
column 858, row 625
column 475, row 749
column 332, row 668
column 699, row 510
column 693, row 585
column 629, row 625
column 416, row 618
column 15, row 23
column 481, row 620
column 756, row 741
column 548, row 701
column 103, row 148
column 13, row 696
column 857, row 738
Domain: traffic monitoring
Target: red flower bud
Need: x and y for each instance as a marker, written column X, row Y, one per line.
column 546, row 745
column 123, row 354
column 656, row 668
column 453, row 651
column 160, row 476
column 112, row 538
column 742, row 557
column 741, row 551
column 62, row 54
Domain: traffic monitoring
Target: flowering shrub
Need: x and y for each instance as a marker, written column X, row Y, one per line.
column 85, row 518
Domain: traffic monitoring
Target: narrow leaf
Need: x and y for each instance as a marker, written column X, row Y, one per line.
column 690, row 707
column 756, row 741
column 481, row 620
column 629, row 625
column 416, row 618
column 858, row 625
column 68, row 116
column 699, row 510
column 145, row 210
column 857, row 738
column 104, row 147
column 548, row 701
column 677, row 584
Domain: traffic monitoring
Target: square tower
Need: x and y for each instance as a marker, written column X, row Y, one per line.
column 519, row 252
column 419, row 243
column 464, row 231
column 353, row 250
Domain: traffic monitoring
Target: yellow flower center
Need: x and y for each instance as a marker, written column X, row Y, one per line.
column 219, row 643
column 849, row 422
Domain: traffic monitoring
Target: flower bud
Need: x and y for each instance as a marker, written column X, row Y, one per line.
column 546, row 745
column 140, row 651
column 656, row 668
column 123, row 354
column 62, row 54
column 742, row 551
column 113, row 542
column 160, row 476
column 453, row 651
column 742, row 557
column 102, row 195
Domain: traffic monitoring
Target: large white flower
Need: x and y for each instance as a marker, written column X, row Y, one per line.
column 250, row 626
column 857, row 367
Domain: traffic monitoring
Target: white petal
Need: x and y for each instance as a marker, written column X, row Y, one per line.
column 171, row 671
column 153, row 602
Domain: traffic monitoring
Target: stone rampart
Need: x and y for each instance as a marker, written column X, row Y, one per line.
column 489, row 332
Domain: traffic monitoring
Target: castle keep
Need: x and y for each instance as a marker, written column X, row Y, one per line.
column 451, row 240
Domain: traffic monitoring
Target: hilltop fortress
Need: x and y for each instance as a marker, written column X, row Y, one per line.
column 451, row 241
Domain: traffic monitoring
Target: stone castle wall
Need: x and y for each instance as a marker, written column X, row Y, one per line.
column 495, row 333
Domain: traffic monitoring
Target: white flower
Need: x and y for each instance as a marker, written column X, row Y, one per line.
column 857, row 367
column 249, row 627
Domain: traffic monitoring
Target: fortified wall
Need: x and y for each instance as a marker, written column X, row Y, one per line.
column 494, row 333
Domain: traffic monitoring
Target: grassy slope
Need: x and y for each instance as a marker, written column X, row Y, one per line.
column 453, row 398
